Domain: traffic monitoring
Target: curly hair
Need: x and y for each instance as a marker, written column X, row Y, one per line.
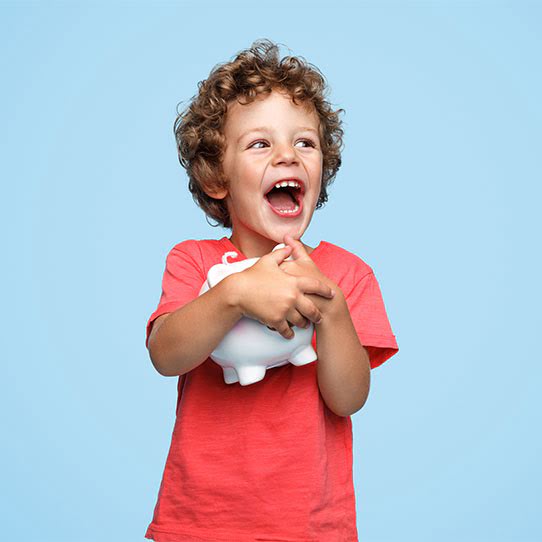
column 255, row 71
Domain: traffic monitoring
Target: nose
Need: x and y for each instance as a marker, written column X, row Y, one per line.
column 284, row 154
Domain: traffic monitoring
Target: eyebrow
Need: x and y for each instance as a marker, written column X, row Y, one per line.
column 266, row 129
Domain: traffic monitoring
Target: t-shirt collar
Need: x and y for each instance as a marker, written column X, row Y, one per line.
column 230, row 246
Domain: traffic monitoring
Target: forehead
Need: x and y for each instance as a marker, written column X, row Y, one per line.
column 274, row 109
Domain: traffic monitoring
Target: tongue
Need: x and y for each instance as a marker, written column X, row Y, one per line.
column 281, row 200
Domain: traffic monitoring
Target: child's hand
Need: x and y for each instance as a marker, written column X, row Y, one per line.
column 303, row 265
column 275, row 298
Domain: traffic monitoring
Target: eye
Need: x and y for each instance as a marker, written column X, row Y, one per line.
column 256, row 143
column 310, row 142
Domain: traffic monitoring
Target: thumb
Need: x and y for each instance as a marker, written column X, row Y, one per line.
column 280, row 254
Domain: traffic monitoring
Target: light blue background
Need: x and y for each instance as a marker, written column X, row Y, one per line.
column 438, row 192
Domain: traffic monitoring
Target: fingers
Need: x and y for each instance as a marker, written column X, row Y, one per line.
column 308, row 309
column 285, row 330
column 309, row 285
column 279, row 255
column 294, row 319
column 305, row 312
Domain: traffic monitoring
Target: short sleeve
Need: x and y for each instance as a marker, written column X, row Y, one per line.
column 182, row 280
column 369, row 317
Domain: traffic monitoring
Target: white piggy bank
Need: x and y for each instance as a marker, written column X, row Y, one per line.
column 250, row 348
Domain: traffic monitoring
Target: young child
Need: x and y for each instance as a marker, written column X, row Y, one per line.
column 272, row 460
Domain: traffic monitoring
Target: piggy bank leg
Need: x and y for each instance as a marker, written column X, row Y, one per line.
column 303, row 355
column 230, row 375
column 250, row 375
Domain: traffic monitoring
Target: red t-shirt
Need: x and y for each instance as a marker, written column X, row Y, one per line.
column 268, row 461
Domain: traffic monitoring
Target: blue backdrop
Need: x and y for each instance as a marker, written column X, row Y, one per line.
column 438, row 192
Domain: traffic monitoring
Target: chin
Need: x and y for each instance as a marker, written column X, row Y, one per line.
column 295, row 234
column 277, row 233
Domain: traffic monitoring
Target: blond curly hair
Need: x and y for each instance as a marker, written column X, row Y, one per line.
column 253, row 72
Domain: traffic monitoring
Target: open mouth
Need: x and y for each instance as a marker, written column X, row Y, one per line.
column 286, row 200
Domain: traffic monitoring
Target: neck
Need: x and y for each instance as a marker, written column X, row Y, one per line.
column 256, row 248
column 253, row 248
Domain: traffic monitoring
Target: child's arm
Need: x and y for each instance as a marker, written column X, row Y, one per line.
column 344, row 371
column 185, row 338
column 343, row 363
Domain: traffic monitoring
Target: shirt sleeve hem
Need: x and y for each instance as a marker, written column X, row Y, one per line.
column 170, row 306
column 379, row 340
column 380, row 348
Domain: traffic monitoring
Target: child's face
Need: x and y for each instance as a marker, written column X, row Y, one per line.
column 285, row 145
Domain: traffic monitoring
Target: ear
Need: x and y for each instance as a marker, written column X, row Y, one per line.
column 216, row 192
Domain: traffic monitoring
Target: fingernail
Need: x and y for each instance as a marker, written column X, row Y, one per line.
column 332, row 293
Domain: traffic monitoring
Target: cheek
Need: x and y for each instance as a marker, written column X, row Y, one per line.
column 318, row 184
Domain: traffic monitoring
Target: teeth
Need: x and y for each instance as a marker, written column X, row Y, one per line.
column 287, row 183
column 287, row 212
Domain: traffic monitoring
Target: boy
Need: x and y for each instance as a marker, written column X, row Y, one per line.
column 270, row 461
